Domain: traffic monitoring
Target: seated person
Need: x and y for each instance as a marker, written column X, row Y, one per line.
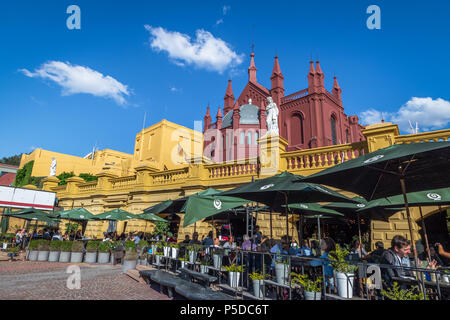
column 305, row 250
column 327, row 245
column 400, row 248
column 375, row 255
column 247, row 244
column 358, row 250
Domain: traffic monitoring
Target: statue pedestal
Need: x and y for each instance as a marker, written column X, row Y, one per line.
column 270, row 148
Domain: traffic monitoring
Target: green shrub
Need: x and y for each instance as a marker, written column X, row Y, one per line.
column 33, row 245
column 64, row 176
column 130, row 246
column 104, row 246
column 306, row 283
column 174, row 245
column 66, row 246
column 143, row 243
column 395, row 293
column 23, row 175
column 55, row 245
column 13, row 249
column 77, row 246
column 92, row 246
column 338, row 262
column 257, row 276
column 88, row 177
column 43, row 245
column 234, row 268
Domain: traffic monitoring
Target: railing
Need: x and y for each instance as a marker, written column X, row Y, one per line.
column 438, row 135
column 247, row 167
column 88, row 187
column 323, row 157
column 170, row 176
column 123, row 182
column 295, row 96
column 59, row 188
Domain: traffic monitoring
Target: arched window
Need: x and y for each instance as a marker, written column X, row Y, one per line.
column 249, row 138
column 256, row 137
column 242, row 137
column 297, row 136
column 333, row 130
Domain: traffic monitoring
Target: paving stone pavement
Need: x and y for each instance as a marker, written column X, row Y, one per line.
column 48, row 281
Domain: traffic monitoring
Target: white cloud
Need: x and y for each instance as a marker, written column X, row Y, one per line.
column 173, row 89
column 430, row 114
column 219, row 21
column 78, row 79
column 205, row 51
column 225, row 9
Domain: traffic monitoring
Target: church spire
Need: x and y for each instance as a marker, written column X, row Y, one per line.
column 252, row 69
column 207, row 119
column 228, row 99
column 320, row 84
column 311, row 76
column 219, row 119
column 276, row 68
column 336, row 89
column 277, row 90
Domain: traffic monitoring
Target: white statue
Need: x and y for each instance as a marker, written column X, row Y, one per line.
column 53, row 168
column 272, row 117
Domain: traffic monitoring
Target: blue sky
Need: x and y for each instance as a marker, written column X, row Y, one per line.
column 400, row 71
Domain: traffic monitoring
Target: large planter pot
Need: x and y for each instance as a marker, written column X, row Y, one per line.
column 103, row 257
column 90, row 257
column 64, row 256
column 175, row 253
column 143, row 262
column 345, row 284
column 258, row 288
column 111, row 258
column 43, row 255
column 217, row 261
column 282, row 273
column 154, row 249
column 311, row 295
column 203, row 269
column 158, row 259
column 166, row 252
column 128, row 265
column 76, row 257
column 233, row 279
column 33, row 255
column 53, row 256
column 5, row 245
column 192, row 256
column 446, row 279
column 183, row 264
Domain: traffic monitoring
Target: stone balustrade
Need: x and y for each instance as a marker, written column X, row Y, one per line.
column 439, row 135
column 295, row 96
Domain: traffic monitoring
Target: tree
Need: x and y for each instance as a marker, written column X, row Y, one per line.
column 13, row 160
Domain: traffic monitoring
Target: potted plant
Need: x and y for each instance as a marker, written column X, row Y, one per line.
column 143, row 261
column 446, row 276
column 33, row 250
column 312, row 289
column 217, row 258
column 91, row 252
column 204, row 266
column 234, row 275
column 66, row 248
column 130, row 260
column 282, row 269
column 175, row 249
column 114, row 245
column 258, row 284
column 395, row 293
column 154, row 247
column 193, row 249
column 158, row 256
column 12, row 252
column 5, row 244
column 166, row 249
column 184, row 260
column 77, row 252
column 44, row 250
column 130, row 246
column 55, row 250
column 344, row 272
column 104, row 248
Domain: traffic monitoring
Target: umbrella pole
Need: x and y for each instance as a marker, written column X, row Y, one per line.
column 270, row 216
column 402, row 183
column 287, row 216
column 425, row 233
column 318, row 228
column 359, row 233
column 246, row 219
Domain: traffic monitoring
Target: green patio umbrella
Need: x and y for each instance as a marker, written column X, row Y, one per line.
column 283, row 189
column 149, row 217
column 79, row 214
column 34, row 216
column 434, row 197
column 115, row 215
column 392, row 171
column 159, row 208
column 200, row 206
